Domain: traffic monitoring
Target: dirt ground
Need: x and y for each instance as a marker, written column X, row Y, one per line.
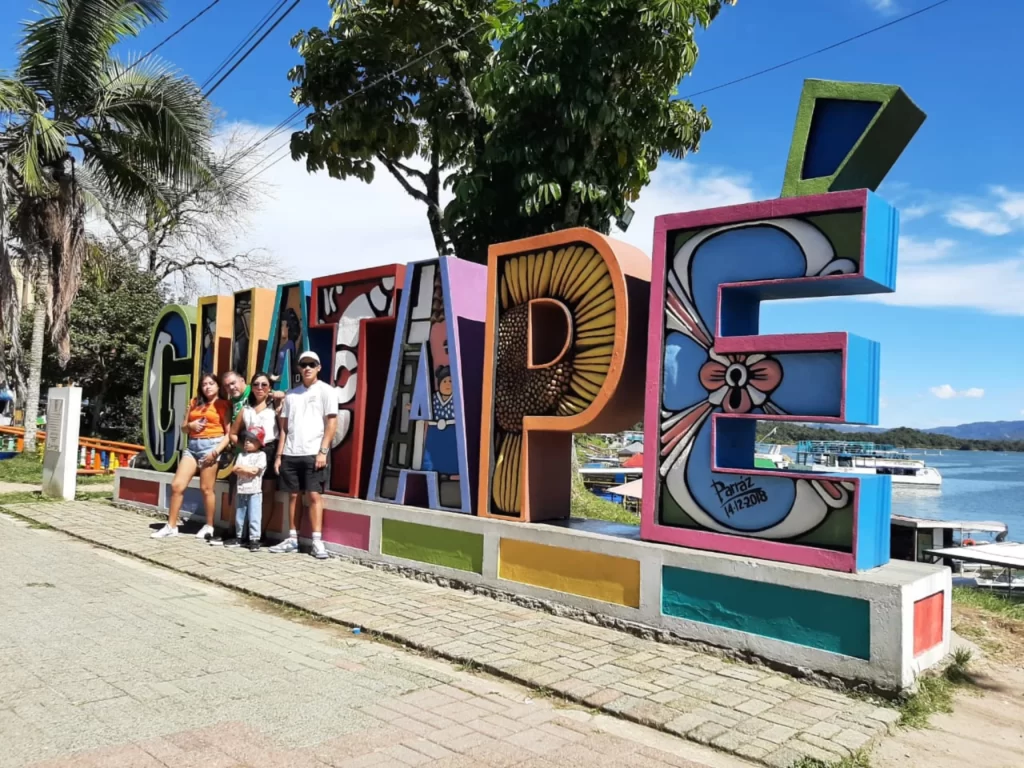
column 986, row 727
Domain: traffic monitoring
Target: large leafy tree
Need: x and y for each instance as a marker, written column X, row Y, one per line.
column 540, row 115
column 77, row 125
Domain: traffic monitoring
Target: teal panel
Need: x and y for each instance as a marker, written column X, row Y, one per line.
column 802, row 616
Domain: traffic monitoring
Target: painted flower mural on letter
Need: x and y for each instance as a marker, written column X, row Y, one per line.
column 699, row 381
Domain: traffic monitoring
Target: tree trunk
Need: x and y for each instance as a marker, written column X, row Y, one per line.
column 35, row 360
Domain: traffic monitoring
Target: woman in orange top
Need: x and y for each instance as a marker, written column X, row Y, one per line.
column 207, row 424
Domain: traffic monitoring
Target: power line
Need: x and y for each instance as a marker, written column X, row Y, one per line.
column 352, row 95
column 257, row 28
column 167, row 39
column 871, row 31
column 252, row 48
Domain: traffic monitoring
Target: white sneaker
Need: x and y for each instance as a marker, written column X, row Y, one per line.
column 319, row 551
column 288, row 545
column 205, row 533
column 165, row 532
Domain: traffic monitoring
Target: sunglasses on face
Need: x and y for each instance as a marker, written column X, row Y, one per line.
column 307, row 365
column 261, row 385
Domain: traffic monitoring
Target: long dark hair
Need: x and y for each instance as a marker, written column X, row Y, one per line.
column 200, row 397
column 252, row 395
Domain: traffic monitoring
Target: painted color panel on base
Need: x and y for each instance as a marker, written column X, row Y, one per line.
column 429, row 544
column 588, row 574
column 347, row 529
column 832, row 623
column 928, row 620
column 140, row 491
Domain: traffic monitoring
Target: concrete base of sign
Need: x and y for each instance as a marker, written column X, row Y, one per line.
column 60, row 459
column 882, row 627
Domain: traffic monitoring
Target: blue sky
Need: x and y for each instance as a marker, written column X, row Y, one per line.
column 951, row 335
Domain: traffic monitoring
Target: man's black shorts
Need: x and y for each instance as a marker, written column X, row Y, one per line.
column 299, row 473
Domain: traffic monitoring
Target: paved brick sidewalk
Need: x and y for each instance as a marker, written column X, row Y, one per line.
column 108, row 662
column 743, row 709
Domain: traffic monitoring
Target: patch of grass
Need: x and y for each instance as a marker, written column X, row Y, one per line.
column 859, row 759
column 935, row 693
column 588, row 505
column 23, row 468
column 35, row 497
column 28, row 468
column 990, row 601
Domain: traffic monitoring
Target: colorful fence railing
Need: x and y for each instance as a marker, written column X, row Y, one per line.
column 95, row 456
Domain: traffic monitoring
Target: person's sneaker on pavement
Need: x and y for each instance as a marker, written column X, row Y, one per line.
column 205, row 533
column 319, row 551
column 254, row 545
column 231, row 541
column 165, row 532
column 288, row 545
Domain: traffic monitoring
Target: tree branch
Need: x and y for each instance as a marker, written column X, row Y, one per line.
column 396, row 172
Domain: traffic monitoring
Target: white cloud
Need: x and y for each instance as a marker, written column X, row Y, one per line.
column 1000, row 215
column 679, row 186
column 946, row 392
column 912, row 212
column 914, row 250
column 884, row 6
column 994, row 287
column 316, row 225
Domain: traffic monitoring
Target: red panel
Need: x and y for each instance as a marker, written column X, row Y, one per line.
column 928, row 622
column 347, row 529
column 142, row 491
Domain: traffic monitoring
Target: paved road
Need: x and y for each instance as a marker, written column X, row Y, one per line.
column 106, row 661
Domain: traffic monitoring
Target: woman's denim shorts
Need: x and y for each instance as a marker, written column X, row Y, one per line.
column 200, row 448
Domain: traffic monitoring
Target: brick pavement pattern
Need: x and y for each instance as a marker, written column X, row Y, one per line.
column 743, row 709
column 107, row 662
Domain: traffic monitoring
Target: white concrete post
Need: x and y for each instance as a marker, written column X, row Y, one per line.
column 60, row 460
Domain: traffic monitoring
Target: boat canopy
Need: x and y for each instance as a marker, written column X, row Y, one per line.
column 1005, row 555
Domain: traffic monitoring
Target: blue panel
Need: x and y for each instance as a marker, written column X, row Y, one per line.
column 419, row 408
column 833, row 623
column 836, row 127
column 881, row 235
column 863, row 376
column 874, row 521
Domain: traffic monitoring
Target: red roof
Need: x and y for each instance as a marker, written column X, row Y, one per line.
column 634, row 461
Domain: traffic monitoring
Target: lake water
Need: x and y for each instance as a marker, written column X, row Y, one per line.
column 976, row 485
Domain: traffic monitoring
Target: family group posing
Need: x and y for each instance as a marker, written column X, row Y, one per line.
column 277, row 440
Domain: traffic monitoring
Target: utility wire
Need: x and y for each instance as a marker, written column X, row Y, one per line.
column 252, row 48
column 167, row 39
column 257, row 28
column 871, row 31
column 257, row 171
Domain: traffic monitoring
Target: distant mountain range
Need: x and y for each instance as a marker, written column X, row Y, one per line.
column 978, row 430
column 984, row 430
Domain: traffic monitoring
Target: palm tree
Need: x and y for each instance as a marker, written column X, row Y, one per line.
column 78, row 127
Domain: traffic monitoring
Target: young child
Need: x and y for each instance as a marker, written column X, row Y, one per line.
column 249, row 468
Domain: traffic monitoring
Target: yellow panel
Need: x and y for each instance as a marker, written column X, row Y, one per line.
column 587, row 574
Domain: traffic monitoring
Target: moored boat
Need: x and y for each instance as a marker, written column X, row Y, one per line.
column 848, row 457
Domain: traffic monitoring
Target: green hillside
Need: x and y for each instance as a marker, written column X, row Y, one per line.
column 902, row 437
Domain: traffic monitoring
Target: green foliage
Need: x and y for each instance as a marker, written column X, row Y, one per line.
column 859, row 759
column 902, row 437
column 539, row 115
column 996, row 603
column 110, row 322
column 28, row 468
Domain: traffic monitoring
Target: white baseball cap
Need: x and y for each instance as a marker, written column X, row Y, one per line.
column 309, row 355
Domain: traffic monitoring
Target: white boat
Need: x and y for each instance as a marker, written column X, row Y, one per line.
column 770, row 457
column 840, row 457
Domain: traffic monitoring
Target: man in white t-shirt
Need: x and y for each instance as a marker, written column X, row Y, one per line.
column 309, row 419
